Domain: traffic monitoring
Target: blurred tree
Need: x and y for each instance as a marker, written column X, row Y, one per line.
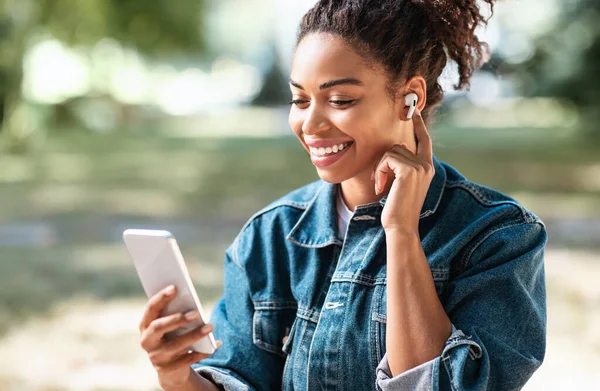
column 155, row 28
column 566, row 63
column 275, row 87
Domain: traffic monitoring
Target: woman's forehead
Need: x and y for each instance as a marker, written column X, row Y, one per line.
column 326, row 56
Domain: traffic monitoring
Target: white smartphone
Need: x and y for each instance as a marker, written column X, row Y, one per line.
column 159, row 263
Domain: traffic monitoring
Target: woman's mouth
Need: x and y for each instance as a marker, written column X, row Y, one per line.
column 322, row 157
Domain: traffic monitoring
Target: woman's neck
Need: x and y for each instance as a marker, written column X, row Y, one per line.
column 361, row 191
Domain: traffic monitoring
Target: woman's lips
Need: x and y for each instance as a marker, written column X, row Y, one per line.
column 323, row 161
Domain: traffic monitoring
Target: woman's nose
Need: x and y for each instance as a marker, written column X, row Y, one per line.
column 314, row 124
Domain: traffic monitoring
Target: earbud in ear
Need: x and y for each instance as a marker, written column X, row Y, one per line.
column 411, row 101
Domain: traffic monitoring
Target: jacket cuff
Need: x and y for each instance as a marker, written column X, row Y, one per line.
column 223, row 378
column 417, row 378
column 424, row 376
column 458, row 338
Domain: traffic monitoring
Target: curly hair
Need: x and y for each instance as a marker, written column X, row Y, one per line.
column 407, row 37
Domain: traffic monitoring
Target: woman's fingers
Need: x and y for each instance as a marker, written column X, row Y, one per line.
column 198, row 356
column 175, row 362
column 173, row 322
column 392, row 161
column 155, row 305
column 172, row 351
column 186, row 359
column 174, row 347
column 424, row 145
column 423, row 158
column 151, row 337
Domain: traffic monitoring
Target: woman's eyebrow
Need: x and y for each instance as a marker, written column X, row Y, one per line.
column 332, row 83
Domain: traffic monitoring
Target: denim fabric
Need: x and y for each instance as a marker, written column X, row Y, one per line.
column 304, row 310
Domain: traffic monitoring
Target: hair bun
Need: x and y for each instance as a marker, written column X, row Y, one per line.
column 445, row 11
column 408, row 37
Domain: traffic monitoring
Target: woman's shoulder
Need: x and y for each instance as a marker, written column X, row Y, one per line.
column 480, row 219
column 479, row 200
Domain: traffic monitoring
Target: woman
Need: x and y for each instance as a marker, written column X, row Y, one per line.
column 393, row 272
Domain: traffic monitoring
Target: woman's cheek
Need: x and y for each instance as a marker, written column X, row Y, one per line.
column 347, row 122
column 295, row 125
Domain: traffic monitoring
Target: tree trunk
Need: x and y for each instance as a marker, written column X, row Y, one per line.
column 16, row 126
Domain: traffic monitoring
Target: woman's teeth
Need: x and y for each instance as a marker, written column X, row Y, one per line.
column 329, row 150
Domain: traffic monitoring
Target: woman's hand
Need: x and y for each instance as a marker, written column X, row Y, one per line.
column 170, row 359
column 413, row 174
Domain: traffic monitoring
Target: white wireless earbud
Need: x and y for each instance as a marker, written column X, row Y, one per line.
column 411, row 101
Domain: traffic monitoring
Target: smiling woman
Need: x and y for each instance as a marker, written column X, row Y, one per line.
column 338, row 99
column 393, row 271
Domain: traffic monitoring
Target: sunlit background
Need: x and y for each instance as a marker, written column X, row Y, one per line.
column 173, row 115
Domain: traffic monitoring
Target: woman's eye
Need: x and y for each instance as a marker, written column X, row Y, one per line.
column 298, row 102
column 342, row 102
column 339, row 103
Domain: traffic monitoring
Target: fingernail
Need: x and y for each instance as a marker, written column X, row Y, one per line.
column 219, row 343
column 171, row 289
column 207, row 328
column 191, row 315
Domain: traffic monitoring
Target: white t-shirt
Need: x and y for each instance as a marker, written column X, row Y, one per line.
column 343, row 215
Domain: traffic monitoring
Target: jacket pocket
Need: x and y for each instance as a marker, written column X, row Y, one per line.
column 378, row 324
column 297, row 347
column 288, row 339
column 286, row 379
column 271, row 325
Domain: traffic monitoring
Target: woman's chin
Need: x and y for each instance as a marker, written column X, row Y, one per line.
column 331, row 177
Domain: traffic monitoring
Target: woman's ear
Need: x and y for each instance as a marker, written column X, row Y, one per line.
column 416, row 86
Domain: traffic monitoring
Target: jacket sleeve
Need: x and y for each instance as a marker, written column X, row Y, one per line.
column 238, row 364
column 497, row 307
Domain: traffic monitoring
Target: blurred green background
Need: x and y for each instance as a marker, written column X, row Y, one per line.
column 173, row 115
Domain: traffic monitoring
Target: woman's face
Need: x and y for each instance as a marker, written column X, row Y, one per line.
column 340, row 101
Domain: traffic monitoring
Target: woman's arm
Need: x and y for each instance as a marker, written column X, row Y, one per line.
column 417, row 326
column 494, row 333
column 497, row 309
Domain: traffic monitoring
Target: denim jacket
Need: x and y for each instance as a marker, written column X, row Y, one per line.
column 303, row 309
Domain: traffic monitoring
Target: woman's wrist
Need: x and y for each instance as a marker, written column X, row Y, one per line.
column 405, row 238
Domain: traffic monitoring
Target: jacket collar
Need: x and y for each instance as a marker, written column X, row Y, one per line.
column 317, row 226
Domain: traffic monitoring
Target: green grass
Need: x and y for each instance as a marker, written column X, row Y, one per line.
column 87, row 184
column 34, row 280
column 122, row 173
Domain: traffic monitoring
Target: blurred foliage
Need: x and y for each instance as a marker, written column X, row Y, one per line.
column 155, row 28
column 152, row 27
column 566, row 63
